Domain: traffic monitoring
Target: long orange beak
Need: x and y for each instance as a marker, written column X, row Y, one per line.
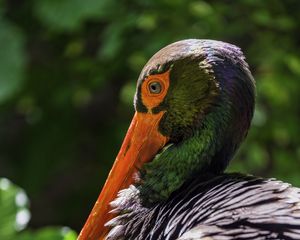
column 141, row 144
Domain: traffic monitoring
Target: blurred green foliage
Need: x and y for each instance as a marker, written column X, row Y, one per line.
column 14, row 216
column 67, row 76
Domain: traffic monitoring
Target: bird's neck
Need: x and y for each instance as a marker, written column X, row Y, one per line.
column 181, row 161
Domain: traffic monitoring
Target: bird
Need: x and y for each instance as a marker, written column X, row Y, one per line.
column 194, row 103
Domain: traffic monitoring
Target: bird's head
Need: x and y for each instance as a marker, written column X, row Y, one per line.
column 194, row 103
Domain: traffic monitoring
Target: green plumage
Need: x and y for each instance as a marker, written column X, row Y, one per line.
column 205, row 118
column 182, row 193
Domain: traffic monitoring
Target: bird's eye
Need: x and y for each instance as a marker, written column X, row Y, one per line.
column 155, row 87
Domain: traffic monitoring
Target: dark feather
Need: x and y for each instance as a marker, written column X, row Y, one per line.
column 229, row 206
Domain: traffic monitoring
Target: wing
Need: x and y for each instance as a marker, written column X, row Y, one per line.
column 202, row 232
column 267, row 210
column 226, row 207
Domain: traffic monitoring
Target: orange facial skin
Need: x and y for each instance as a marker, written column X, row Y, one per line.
column 152, row 100
column 142, row 142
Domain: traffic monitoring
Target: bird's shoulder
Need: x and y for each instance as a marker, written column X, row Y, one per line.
column 227, row 206
column 243, row 207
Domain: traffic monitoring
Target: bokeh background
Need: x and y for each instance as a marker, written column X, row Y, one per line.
column 67, row 77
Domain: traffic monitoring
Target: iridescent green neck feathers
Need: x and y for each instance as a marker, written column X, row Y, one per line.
column 208, row 110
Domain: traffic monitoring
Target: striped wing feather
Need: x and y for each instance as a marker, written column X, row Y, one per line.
column 230, row 206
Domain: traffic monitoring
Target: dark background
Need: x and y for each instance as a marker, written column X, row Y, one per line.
column 67, row 77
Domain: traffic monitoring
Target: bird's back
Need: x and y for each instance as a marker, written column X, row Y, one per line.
column 229, row 206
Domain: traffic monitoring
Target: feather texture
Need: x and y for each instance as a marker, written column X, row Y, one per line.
column 229, row 206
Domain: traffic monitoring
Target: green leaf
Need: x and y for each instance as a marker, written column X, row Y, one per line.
column 14, row 214
column 69, row 14
column 12, row 60
column 200, row 9
column 293, row 62
column 48, row 233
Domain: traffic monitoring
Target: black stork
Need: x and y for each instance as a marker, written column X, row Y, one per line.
column 194, row 104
